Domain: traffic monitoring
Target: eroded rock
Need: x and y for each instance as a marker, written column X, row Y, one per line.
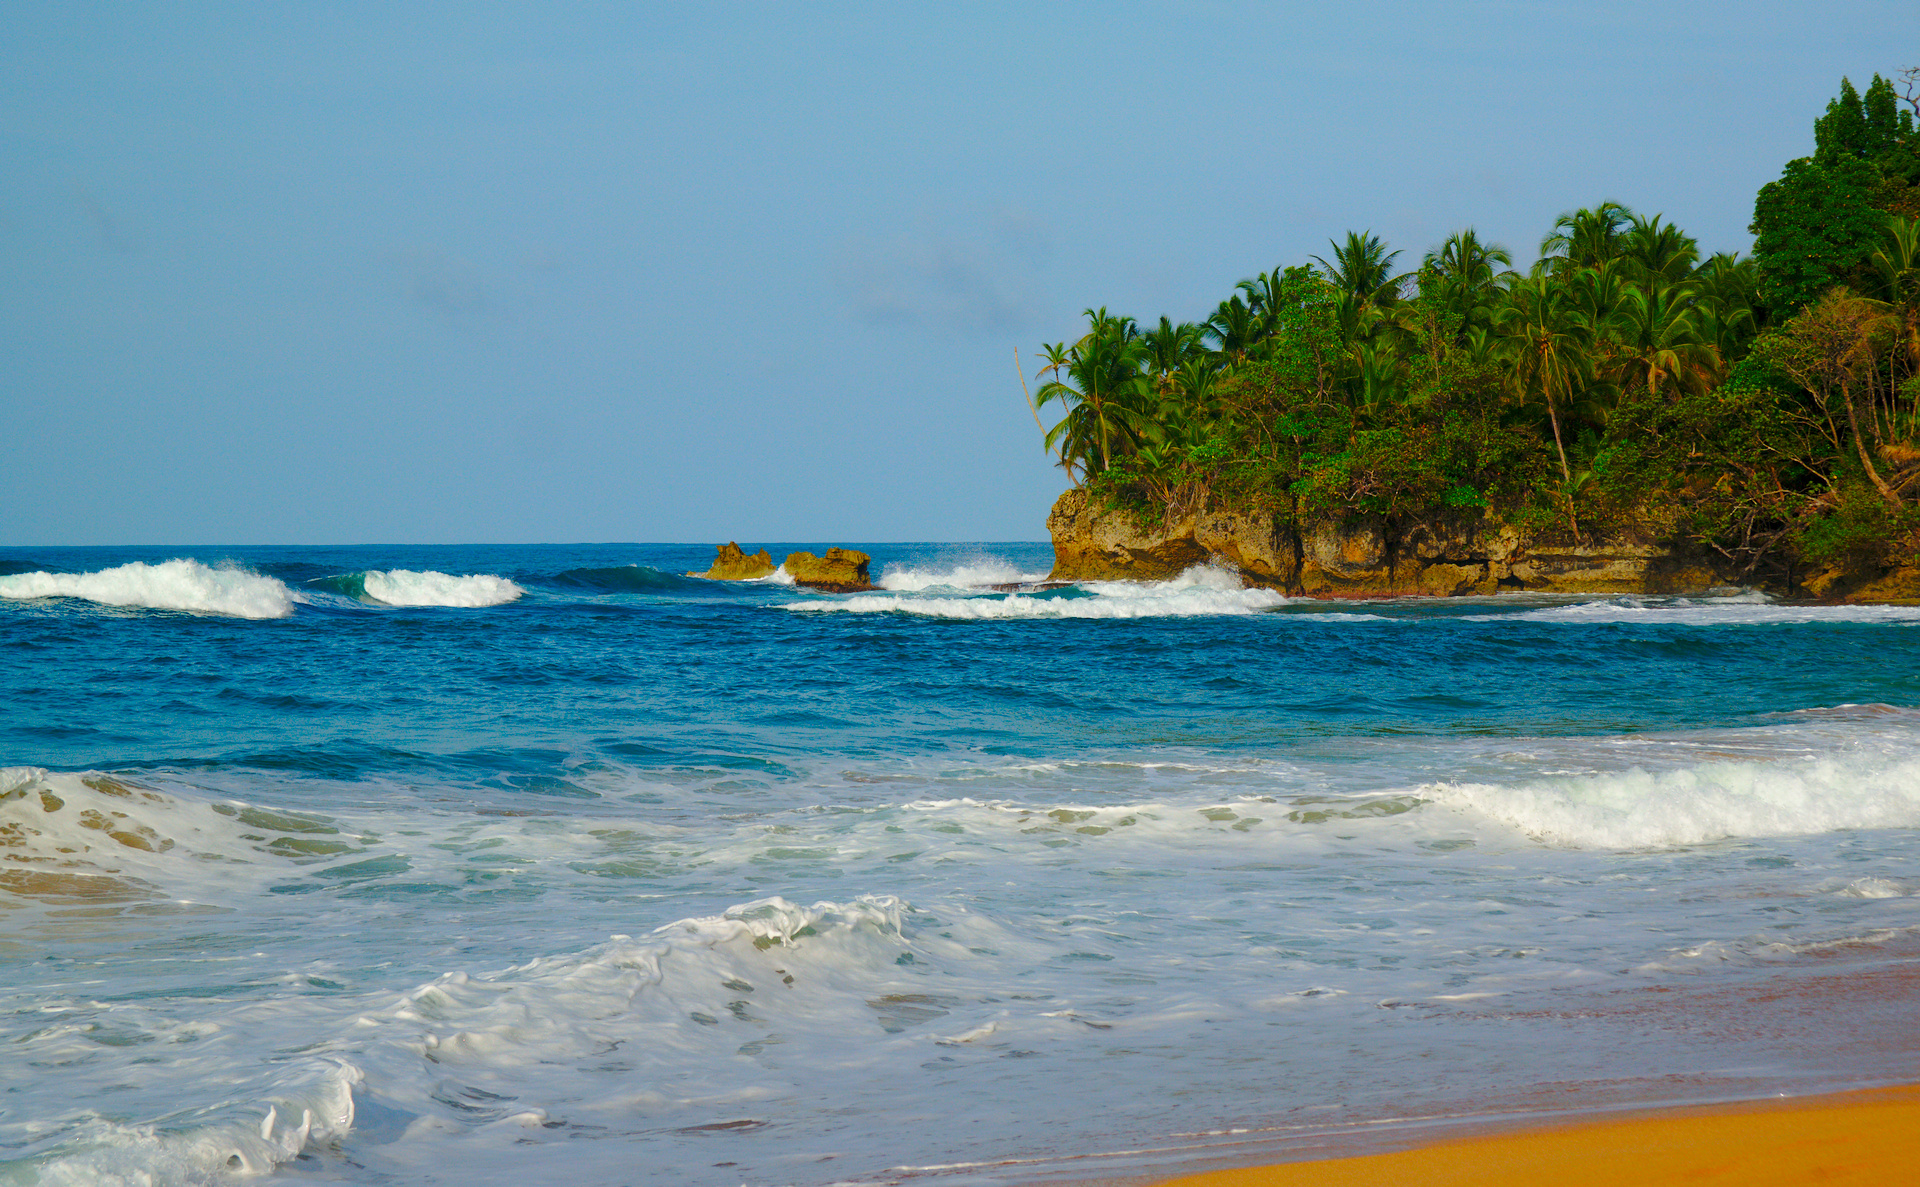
column 841, row 570
column 733, row 564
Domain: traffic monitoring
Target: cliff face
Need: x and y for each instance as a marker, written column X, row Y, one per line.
column 1461, row 554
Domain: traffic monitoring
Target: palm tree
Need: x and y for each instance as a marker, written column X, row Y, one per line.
column 1362, row 269
column 1658, row 253
column 1235, row 327
column 1584, row 238
column 1660, row 341
column 1169, row 347
column 1598, row 293
column 1102, row 411
column 1466, row 275
column 1547, row 344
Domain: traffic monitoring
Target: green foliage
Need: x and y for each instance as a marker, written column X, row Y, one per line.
column 1817, row 225
column 1854, row 528
column 1811, row 230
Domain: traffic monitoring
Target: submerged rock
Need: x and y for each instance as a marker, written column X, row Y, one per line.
column 732, row 564
column 841, row 570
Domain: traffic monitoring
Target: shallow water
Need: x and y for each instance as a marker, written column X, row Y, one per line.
column 506, row 864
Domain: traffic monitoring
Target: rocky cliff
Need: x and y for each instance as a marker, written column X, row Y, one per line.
column 1464, row 553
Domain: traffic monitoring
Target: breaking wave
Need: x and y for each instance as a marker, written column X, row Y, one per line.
column 405, row 587
column 1200, row 591
column 170, row 585
column 1644, row 809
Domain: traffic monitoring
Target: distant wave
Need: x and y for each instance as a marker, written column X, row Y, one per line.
column 622, row 579
column 1740, row 610
column 171, row 585
column 1200, row 591
column 406, row 587
column 977, row 574
column 1642, row 809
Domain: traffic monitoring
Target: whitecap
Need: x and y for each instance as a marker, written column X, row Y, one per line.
column 170, row 585
column 406, row 587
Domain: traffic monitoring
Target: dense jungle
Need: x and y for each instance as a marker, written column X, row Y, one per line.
column 1760, row 409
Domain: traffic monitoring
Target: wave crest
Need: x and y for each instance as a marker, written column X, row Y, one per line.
column 171, row 585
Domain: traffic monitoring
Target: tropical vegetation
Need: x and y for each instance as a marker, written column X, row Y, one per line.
column 1765, row 407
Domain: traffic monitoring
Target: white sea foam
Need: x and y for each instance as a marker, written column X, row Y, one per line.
column 170, row 585
column 406, row 587
column 1639, row 809
column 976, row 574
column 1200, row 591
column 1740, row 610
column 312, row 1105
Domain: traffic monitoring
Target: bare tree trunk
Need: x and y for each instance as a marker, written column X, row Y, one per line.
column 1860, row 446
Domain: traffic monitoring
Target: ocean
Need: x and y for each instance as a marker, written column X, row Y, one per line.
column 504, row 865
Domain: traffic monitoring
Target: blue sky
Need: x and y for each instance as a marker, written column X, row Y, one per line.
column 519, row 272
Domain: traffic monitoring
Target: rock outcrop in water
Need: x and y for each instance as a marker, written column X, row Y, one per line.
column 733, row 564
column 841, row 570
column 1464, row 553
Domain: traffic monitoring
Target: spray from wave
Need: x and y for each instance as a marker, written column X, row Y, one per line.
column 972, row 575
column 171, row 585
column 1200, row 591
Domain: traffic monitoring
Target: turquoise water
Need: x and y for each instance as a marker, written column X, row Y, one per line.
column 490, row 864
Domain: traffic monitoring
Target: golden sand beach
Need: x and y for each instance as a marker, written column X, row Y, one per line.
column 1864, row 1137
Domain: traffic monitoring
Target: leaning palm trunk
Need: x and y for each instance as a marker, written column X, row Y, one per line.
column 1554, row 416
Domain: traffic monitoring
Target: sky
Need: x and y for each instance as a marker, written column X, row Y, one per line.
column 423, row 273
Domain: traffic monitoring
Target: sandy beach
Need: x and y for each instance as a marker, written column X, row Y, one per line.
column 1870, row 1136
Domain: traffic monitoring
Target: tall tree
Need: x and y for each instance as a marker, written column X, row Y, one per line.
column 1547, row 349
